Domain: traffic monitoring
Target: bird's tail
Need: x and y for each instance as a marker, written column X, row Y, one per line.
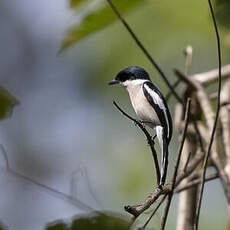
column 164, row 162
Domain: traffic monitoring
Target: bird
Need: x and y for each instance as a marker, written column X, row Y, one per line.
column 150, row 107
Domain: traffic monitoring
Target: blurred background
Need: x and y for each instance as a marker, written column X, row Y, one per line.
column 65, row 133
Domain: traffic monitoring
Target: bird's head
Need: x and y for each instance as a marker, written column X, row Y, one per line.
column 130, row 75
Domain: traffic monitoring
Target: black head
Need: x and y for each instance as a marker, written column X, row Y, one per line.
column 130, row 73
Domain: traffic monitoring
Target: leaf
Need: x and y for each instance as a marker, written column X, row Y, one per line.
column 3, row 226
column 7, row 103
column 94, row 221
column 94, row 21
column 76, row 3
column 100, row 221
column 58, row 225
column 222, row 12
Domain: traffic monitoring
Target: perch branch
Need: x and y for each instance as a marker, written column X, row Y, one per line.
column 139, row 209
column 149, row 139
column 154, row 211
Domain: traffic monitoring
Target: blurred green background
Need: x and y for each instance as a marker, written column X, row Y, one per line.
column 66, row 133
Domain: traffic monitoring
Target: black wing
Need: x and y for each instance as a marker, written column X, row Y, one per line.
column 157, row 101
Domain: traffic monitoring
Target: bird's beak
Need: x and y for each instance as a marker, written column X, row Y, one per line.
column 113, row 82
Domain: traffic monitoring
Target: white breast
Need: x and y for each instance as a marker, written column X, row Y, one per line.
column 142, row 107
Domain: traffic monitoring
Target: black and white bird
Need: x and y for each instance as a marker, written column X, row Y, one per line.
column 150, row 106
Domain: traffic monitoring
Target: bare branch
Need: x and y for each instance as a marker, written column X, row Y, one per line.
column 212, row 75
column 154, row 211
column 169, row 198
column 76, row 202
column 188, row 60
column 225, row 120
column 138, row 209
column 149, row 139
column 187, row 161
column 205, row 163
column 196, row 182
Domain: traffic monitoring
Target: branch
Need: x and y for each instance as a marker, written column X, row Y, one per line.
column 200, row 195
column 144, row 50
column 225, row 121
column 169, row 198
column 76, row 202
column 212, row 75
column 139, row 209
column 188, row 60
column 154, row 211
column 196, row 182
column 149, row 139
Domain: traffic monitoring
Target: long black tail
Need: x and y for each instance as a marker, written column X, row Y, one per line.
column 164, row 162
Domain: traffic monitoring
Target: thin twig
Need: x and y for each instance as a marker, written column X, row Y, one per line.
column 194, row 122
column 200, row 195
column 144, row 50
column 169, row 94
column 187, row 161
column 76, row 202
column 169, row 198
column 149, row 139
column 5, row 156
column 153, row 197
column 188, row 60
column 196, row 182
column 211, row 76
column 137, row 210
column 154, row 211
column 191, row 167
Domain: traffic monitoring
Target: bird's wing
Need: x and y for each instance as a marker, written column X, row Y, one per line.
column 157, row 101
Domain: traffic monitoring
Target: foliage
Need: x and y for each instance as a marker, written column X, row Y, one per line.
column 76, row 3
column 93, row 20
column 7, row 103
column 95, row 221
column 222, row 12
column 3, row 226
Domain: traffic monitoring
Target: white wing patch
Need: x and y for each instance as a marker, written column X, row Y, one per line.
column 157, row 100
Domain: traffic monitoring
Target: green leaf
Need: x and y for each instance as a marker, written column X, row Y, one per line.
column 96, row 20
column 95, row 221
column 7, row 103
column 100, row 221
column 58, row 225
column 76, row 3
column 3, row 226
column 222, row 12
